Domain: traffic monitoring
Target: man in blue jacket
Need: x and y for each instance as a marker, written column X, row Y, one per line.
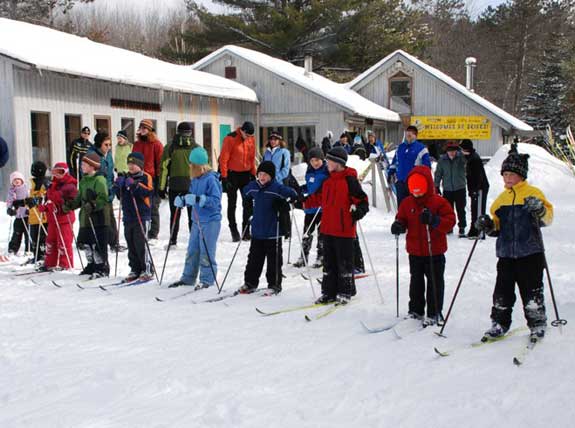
column 269, row 198
column 409, row 154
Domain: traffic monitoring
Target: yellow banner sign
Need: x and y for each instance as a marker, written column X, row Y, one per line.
column 452, row 127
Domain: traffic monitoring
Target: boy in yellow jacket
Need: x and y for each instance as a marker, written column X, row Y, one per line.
column 517, row 215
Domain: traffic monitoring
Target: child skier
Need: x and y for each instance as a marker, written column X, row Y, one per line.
column 135, row 191
column 16, row 207
column 62, row 189
column 38, row 221
column 205, row 198
column 92, row 199
column 427, row 217
column 315, row 175
column 269, row 198
column 343, row 204
column 516, row 217
column 122, row 151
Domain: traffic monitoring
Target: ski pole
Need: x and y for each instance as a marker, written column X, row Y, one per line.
column 432, row 272
column 41, row 229
column 98, row 246
column 75, row 242
column 370, row 262
column 290, row 235
column 234, row 256
column 27, row 230
column 397, row 276
column 203, row 238
column 145, row 237
column 172, row 228
column 304, row 258
column 118, row 234
column 62, row 240
column 306, row 232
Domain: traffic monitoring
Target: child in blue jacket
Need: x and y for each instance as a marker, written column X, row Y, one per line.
column 315, row 175
column 205, row 198
column 269, row 198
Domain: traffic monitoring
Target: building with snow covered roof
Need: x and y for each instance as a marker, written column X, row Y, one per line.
column 53, row 83
column 295, row 101
column 440, row 107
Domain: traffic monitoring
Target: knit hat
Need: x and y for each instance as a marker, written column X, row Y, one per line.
column 277, row 135
column 515, row 162
column 452, row 147
column 85, row 129
column 268, row 167
column 122, row 134
column 316, row 152
column 61, row 165
column 417, row 184
column 16, row 175
column 466, row 145
column 185, row 128
column 100, row 138
column 412, row 128
column 337, row 154
column 248, row 128
column 136, row 158
column 38, row 169
column 199, row 156
column 92, row 159
column 147, row 124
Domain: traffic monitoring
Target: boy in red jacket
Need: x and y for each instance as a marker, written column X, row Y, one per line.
column 343, row 203
column 426, row 216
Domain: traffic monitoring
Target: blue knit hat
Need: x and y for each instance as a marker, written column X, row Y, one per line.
column 199, row 156
column 136, row 158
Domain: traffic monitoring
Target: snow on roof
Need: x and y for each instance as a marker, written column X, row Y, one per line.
column 502, row 114
column 325, row 88
column 60, row 52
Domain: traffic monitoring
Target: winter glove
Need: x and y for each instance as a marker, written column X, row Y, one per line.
column 397, row 228
column 30, row 202
column 18, row 203
column 227, row 185
column 88, row 208
column 11, row 211
column 485, row 224
column 191, row 199
column 162, row 193
column 179, row 202
column 91, row 195
column 120, row 181
column 535, row 207
column 426, row 217
column 129, row 182
column 358, row 212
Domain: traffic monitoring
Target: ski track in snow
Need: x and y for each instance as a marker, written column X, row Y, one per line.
column 87, row 359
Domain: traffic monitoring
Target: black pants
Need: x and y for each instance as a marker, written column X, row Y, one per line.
column 38, row 237
column 172, row 198
column 237, row 181
column 260, row 250
column 138, row 257
column 358, row 263
column 310, row 223
column 475, row 209
column 527, row 273
column 95, row 247
column 419, row 294
column 155, row 224
column 18, row 230
column 401, row 191
column 338, row 257
column 457, row 199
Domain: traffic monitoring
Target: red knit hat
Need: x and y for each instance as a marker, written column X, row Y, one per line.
column 62, row 166
column 417, row 184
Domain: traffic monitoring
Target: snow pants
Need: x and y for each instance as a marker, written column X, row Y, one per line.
column 527, row 273
column 173, row 210
column 19, row 230
column 95, row 247
column 138, row 257
column 419, row 294
column 338, row 261
column 237, row 181
column 260, row 251
column 202, row 257
column 59, row 249
column 457, row 199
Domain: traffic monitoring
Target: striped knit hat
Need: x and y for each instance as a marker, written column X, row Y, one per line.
column 147, row 124
column 92, row 159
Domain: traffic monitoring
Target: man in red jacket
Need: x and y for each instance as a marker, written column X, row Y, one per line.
column 426, row 216
column 237, row 169
column 343, row 203
column 152, row 149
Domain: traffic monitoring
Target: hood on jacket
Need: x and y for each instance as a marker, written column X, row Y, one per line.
column 425, row 172
column 17, row 175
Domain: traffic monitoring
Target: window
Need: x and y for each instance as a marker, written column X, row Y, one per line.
column 129, row 125
column 400, row 88
column 41, row 137
column 231, row 73
column 102, row 124
column 72, row 126
column 291, row 135
column 207, row 139
column 171, row 128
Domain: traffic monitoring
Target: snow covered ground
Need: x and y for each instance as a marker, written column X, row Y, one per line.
column 73, row 358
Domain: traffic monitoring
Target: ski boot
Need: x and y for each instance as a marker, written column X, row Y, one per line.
column 201, row 286
column 145, row 276
column 235, row 234
column 462, row 232
column 325, row 300
column 179, row 283
column 246, row 289
column 496, row 331
column 299, row 263
column 132, row 276
column 413, row 316
column 537, row 333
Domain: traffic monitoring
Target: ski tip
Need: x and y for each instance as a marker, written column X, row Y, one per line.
column 80, row 287
column 517, row 361
column 307, row 318
column 259, row 311
column 441, row 353
column 55, row 284
column 158, row 299
column 101, row 287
